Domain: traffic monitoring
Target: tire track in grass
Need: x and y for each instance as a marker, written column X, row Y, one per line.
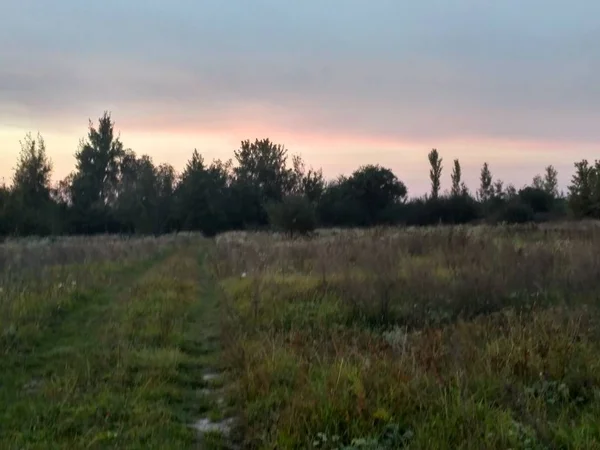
column 45, row 392
column 216, row 426
column 124, row 367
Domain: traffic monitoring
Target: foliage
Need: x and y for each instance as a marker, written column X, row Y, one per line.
column 458, row 186
column 295, row 214
column 538, row 200
column 516, row 212
column 29, row 202
column 584, row 191
column 115, row 190
column 452, row 209
column 486, row 187
column 95, row 181
column 201, row 196
column 435, row 173
column 550, row 184
column 374, row 188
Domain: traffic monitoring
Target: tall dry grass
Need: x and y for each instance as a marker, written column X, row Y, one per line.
column 450, row 337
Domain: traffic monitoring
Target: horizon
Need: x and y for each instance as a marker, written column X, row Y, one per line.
column 505, row 84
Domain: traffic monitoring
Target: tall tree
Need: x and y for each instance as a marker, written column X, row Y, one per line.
column 94, row 188
column 166, row 182
column 6, row 225
column 550, row 184
column 510, row 192
column 202, row 196
column 486, row 189
column 31, row 189
column 537, row 199
column 339, row 205
column 98, row 166
column 594, row 181
column 31, row 179
column 537, row 182
column 457, row 185
column 498, row 190
column 375, row 189
column 581, row 189
column 309, row 183
column 137, row 194
column 261, row 176
column 435, row 173
column 263, row 163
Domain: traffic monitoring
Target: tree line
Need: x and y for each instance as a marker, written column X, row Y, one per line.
column 113, row 190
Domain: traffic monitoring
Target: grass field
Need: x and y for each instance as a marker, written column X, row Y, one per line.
column 104, row 343
column 441, row 338
column 438, row 338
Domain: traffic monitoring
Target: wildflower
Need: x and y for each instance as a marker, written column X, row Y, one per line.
column 243, row 274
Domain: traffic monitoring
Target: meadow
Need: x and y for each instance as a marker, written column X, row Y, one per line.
column 435, row 338
column 104, row 342
column 419, row 338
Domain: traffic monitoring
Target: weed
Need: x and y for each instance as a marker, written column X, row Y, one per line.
column 447, row 337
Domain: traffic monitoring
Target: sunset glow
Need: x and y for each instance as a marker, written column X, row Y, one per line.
column 477, row 83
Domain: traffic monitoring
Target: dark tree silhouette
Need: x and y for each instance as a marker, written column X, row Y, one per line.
column 114, row 190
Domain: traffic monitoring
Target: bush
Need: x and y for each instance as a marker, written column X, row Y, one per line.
column 446, row 210
column 294, row 215
column 537, row 199
column 516, row 212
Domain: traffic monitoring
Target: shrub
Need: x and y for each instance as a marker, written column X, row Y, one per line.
column 447, row 210
column 537, row 199
column 516, row 212
column 294, row 215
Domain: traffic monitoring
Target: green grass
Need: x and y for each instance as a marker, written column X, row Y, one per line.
column 112, row 361
column 440, row 339
column 445, row 338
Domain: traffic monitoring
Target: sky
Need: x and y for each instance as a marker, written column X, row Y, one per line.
column 342, row 83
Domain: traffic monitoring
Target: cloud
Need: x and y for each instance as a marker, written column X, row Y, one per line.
column 386, row 73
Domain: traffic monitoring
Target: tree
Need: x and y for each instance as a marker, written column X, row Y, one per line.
column 486, row 190
column 510, row 192
column 457, row 186
column 6, row 225
column 498, row 190
column 97, row 164
column 453, row 209
column 294, row 215
column 202, row 196
column 31, row 179
column 114, row 190
column 550, row 183
column 581, row 189
column 260, row 177
column 309, row 183
column 435, row 173
column 537, row 199
column 375, row 188
column 137, row 194
column 263, row 164
column 31, row 203
column 371, row 195
column 165, row 189
column 94, row 188
column 62, row 192
column 537, row 182
column 339, row 205
column 516, row 212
